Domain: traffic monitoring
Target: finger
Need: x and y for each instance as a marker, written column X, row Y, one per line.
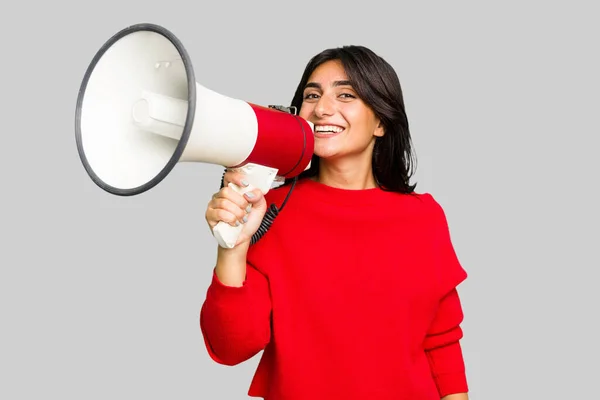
column 231, row 195
column 230, row 206
column 236, row 177
column 254, row 196
column 221, row 215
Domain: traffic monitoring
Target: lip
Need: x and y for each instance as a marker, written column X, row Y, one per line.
column 327, row 135
column 327, row 124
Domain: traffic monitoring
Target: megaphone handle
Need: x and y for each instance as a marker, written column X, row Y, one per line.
column 226, row 234
column 258, row 176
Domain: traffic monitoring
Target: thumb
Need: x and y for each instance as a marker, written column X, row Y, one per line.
column 257, row 200
column 257, row 212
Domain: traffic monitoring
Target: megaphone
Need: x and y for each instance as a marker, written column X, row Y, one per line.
column 140, row 111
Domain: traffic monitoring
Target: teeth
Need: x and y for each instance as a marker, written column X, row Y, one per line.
column 328, row 128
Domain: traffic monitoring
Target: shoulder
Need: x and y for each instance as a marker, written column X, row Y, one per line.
column 278, row 194
column 431, row 205
column 426, row 210
column 422, row 204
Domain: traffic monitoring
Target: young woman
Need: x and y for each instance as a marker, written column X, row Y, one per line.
column 352, row 292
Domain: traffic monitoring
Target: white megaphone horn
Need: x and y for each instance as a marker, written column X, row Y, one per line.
column 140, row 111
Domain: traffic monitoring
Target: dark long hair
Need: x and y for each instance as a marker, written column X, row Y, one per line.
column 377, row 84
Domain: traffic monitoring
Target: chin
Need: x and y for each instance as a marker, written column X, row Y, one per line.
column 325, row 151
column 327, row 154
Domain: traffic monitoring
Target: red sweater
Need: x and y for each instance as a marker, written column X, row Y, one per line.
column 351, row 295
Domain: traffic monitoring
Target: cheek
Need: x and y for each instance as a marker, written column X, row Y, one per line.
column 361, row 119
column 305, row 111
column 354, row 118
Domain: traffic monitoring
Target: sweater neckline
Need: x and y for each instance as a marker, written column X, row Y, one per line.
column 331, row 194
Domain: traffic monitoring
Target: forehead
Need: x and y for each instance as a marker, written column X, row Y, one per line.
column 328, row 72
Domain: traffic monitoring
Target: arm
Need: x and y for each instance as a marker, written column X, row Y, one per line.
column 442, row 342
column 443, row 350
column 235, row 317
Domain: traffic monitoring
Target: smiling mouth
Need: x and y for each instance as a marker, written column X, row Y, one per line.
column 327, row 130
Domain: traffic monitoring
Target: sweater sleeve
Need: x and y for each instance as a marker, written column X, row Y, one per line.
column 235, row 321
column 443, row 349
column 442, row 342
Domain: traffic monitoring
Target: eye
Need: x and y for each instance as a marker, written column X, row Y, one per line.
column 347, row 96
column 310, row 96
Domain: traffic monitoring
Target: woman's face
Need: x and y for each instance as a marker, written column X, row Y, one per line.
column 344, row 124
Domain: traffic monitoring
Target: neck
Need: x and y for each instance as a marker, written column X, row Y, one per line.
column 346, row 174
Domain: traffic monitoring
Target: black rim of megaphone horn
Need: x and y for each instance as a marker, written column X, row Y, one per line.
column 191, row 81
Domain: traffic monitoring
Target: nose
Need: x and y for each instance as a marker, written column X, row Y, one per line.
column 324, row 107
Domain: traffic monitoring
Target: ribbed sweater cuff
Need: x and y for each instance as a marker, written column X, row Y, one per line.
column 451, row 383
column 219, row 291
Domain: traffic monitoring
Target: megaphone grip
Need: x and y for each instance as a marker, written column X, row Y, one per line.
column 258, row 176
column 226, row 234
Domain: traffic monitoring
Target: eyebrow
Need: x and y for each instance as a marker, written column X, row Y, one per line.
column 335, row 84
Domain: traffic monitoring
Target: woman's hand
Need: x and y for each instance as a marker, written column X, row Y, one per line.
column 233, row 208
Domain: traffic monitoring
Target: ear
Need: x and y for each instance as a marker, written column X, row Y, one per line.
column 379, row 130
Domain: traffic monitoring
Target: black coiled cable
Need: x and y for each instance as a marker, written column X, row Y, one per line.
column 270, row 215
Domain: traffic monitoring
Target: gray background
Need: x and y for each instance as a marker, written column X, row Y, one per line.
column 100, row 294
